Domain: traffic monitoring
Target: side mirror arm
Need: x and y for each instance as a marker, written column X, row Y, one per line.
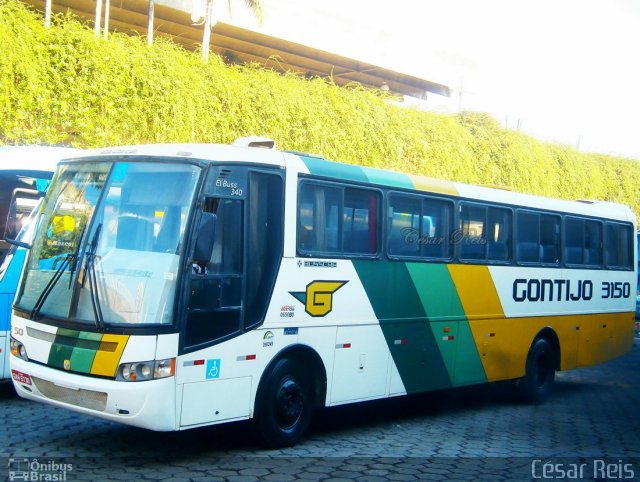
column 20, row 244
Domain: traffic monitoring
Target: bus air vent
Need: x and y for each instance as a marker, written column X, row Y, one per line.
column 255, row 141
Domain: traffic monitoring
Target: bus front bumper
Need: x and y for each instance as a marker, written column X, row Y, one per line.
column 148, row 404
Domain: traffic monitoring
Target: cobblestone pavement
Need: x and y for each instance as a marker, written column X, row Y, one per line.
column 469, row 434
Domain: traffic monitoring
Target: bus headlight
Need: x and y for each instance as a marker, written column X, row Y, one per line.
column 165, row 368
column 18, row 349
column 149, row 370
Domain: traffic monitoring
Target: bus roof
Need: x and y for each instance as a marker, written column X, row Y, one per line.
column 33, row 158
column 331, row 169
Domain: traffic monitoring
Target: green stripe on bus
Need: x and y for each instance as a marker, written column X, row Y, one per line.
column 346, row 172
column 62, row 347
column 404, row 323
column 443, row 307
column 84, row 353
column 468, row 367
column 386, row 178
column 436, row 290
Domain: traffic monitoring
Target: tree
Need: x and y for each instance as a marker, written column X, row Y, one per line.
column 254, row 5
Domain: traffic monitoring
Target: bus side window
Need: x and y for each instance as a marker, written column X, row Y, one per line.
column 472, row 228
column 619, row 246
column 360, row 221
column 264, row 243
column 216, row 286
column 404, row 226
column 538, row 238
column 550, row 238
column 436, row 228
column 499, row 234
column 318, row 218
column 527, row 237
column 583, row 242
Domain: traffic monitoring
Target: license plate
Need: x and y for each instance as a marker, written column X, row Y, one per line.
column 21, row 377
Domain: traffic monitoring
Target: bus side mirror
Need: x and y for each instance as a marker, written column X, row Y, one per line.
column 205, row 238
column 23, row 201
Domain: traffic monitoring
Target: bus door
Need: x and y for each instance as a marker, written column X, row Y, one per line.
column 236, row 256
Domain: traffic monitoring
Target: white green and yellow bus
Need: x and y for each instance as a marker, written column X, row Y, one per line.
column 177, row 286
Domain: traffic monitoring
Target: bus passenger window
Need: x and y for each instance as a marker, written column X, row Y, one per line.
column 473, row 237
column 593, row 243
column 360, row 218
column 538, row 238
column 318, row 218
column 499, row 234
column 574, row 241
column 336, row 219
column 527, row 235
column 583, row 242
column 619, row 246
column 419, row 227
column 404, row 226
column 550, row 239
column 436, row 228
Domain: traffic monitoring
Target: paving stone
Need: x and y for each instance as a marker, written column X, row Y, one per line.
column 593, row 413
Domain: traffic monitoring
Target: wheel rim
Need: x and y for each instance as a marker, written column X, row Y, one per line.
column 289, row 403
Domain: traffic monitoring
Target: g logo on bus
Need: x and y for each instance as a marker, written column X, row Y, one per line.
column 318, row 298
column 67, row 364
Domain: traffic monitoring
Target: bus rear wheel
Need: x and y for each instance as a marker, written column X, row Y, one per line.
column 285, row 404
column 540, row 371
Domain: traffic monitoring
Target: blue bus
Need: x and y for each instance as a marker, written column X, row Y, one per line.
column 638, row 288
column 25, row 173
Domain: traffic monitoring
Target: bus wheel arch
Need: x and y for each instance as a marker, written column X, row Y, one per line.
column 292, row 386
column 543, row 359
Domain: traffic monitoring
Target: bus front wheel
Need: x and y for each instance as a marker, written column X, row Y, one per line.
column 540, row 372
column 285, row 404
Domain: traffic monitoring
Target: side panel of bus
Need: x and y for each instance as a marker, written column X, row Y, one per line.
column 9, row 276
column 440, row 324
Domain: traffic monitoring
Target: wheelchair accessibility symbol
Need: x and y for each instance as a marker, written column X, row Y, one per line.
column 213, row 368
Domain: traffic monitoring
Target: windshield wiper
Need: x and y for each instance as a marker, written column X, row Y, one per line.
column 55, row 278
column 90, row 273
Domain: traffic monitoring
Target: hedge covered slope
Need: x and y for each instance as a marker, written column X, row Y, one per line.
column 62, row 85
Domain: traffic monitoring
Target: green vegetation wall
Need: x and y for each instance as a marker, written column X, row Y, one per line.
column 62, row 85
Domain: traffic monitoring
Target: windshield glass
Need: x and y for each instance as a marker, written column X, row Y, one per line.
column 109, row 242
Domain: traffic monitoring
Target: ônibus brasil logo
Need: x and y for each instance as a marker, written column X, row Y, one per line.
column 318, row 298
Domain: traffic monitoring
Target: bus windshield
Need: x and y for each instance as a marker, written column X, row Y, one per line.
column 108, row 243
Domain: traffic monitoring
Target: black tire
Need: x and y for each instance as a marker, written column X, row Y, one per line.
column 284, row 405
column 540, row 372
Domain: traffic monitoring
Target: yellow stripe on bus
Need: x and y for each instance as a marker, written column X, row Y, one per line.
column 476, row 291
column 108, row 355
column 433, row 185
column 503, row 343
column 585, row 340
column 483, row 310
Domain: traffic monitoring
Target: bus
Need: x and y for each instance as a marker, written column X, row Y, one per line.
column 638, row 292
column 25, row 173
column 178, row 286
